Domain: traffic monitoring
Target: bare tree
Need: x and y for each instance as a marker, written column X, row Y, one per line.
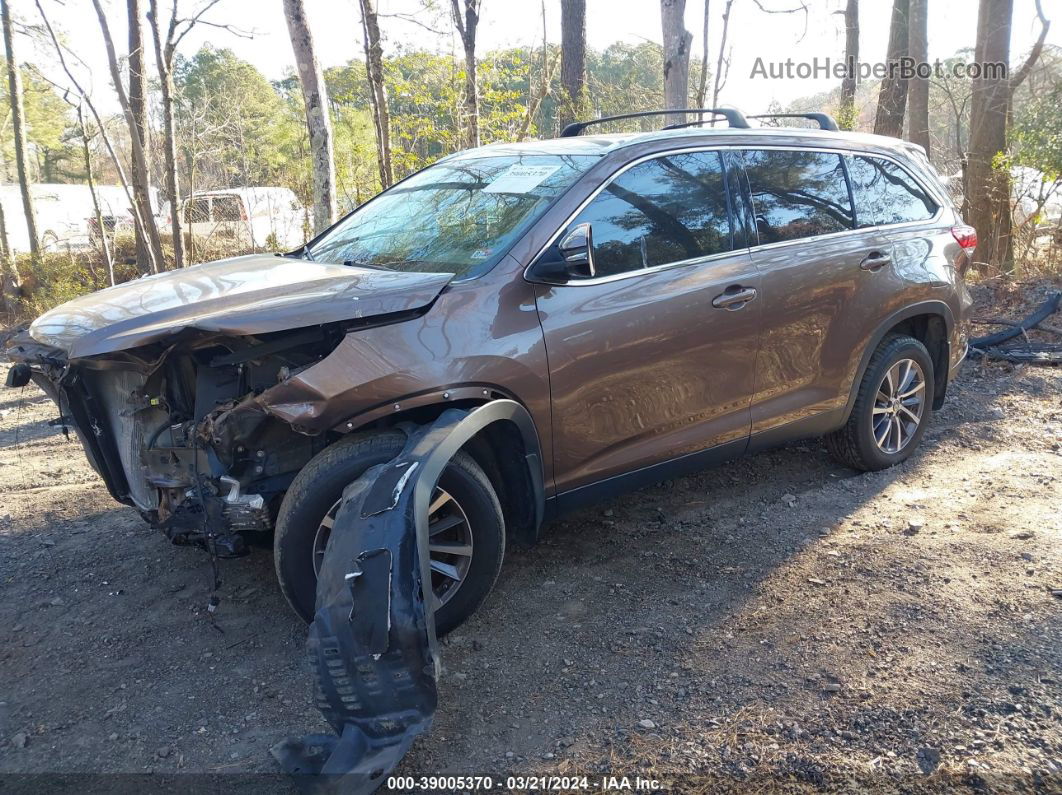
column 702, row 87
column 722, row 65
column 105, row 245
column 892, row 96
column 10, row 284
column 141, row 189
column 138, row 110
column 315, row 97
column 536, row 95
column 918, row 89
column 851, row 59
column 381, row 116
column 573, row 60
column 677, row 42
column 467, row 23
column 135, row 206
column 18, row 124
column 987, row 203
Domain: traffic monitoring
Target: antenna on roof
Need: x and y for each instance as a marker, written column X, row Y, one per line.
column 733, row 116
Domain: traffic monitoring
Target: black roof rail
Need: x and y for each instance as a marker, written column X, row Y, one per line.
column 733, row 116
column 824, row 120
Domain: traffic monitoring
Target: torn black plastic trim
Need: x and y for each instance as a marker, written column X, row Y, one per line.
column 373, row 639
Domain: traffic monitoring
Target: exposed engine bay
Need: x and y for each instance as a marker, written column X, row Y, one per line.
column 179, row 432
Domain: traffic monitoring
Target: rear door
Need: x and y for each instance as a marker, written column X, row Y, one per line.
column 652, row 357
column 823, row 280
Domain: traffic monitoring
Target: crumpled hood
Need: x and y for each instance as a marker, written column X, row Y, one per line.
column 255, row 294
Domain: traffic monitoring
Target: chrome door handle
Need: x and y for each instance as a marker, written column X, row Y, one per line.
column 875, row 261
column 734, row 297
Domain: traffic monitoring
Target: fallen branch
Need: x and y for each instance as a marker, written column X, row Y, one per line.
column 1030, row 352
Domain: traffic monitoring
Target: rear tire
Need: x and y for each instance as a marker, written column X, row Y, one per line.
column 868, row 441
column 320, row 485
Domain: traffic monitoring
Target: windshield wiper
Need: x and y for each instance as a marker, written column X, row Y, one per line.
column 299, row 253
column 350, row 263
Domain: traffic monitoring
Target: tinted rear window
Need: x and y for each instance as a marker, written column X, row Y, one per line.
column 197, row 211
column 886, row 194
column 227, row 208
column 797, row 194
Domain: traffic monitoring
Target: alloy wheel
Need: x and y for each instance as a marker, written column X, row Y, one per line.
column 449, row 546
column 898, row 406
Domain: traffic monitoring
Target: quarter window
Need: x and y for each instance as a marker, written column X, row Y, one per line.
column 797, row 194
column 886, row 194
column 665, row 210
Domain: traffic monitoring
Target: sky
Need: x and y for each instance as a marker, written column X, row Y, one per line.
column 336, row 27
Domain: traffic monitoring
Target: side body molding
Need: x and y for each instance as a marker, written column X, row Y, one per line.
column 372, row 641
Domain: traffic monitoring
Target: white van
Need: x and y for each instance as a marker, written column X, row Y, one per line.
column 258, row 218
column 66, row 216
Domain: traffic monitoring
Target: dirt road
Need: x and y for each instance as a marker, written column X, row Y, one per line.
column 782, row 617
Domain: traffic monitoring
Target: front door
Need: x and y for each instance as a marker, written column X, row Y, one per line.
column 652, row 357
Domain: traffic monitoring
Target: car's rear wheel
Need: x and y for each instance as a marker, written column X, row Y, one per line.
column 467, row 531
column 893, row 406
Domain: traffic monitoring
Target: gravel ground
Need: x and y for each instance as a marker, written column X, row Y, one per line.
column 781, row 619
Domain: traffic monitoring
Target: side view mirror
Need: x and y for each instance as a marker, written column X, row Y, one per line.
column 571, row 258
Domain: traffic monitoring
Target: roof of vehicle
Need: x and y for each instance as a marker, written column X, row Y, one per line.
column 604, row 143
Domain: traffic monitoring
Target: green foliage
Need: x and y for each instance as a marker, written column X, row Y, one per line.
column 234, row 127
column 1037, row 133
column 49, row 128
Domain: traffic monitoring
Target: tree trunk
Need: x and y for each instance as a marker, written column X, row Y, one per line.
column 573, row 60
column 702, row 88
column 164, row 62
column 851, row 58
column 10, row 284
column 467, row 23
column 677, row 42
column 918, row 90
column 315, row 97
column 381, row 117
column 892, row 96
column 138, row 109
column 719, row 71
column 105, row 245
column 142, row 210
column 988, row 188
column 18, row 125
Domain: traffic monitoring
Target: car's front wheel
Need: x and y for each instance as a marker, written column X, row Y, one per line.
column 467, row 531
column 892, row 408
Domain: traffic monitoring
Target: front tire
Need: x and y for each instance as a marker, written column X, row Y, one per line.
column 470, row 546
column 892, row 409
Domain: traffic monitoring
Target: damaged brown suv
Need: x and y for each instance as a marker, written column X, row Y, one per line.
column 654, row 303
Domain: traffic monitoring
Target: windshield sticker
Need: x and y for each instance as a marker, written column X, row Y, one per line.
column 519, row 179
column 481, row 253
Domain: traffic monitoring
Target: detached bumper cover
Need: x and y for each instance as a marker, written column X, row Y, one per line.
column 372, row 641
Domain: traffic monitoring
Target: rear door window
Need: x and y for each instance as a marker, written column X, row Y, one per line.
column 886, row 194
column 797, row 194
column 668, row 209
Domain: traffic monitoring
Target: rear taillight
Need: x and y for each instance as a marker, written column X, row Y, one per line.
column 966, row 237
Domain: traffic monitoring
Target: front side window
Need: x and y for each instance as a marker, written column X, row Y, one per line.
column 886, row 194
column 665, row 210
column 797, row 194
column 455, row 217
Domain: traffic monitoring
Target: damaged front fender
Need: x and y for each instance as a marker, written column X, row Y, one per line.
column 373, row 639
